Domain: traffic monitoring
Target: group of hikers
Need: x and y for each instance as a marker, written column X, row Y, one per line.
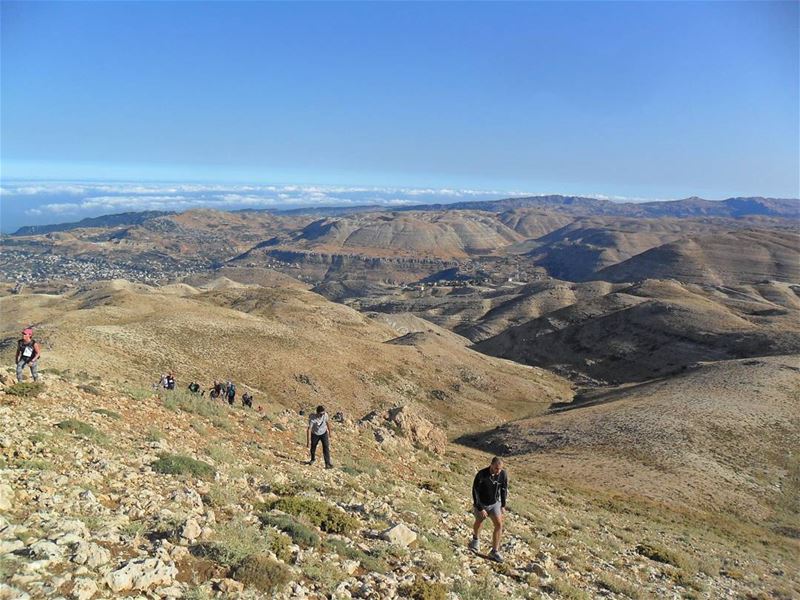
column 489, row 488
column 226, row 390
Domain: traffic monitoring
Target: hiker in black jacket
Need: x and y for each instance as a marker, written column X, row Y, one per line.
column 489, row 492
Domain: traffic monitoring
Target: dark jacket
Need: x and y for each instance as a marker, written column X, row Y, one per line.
column 488, row 489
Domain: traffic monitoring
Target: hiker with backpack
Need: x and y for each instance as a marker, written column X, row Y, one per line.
column 319, row 430
column 28, row 353
column 231, row 392
column 247, row 400
column 489, row 492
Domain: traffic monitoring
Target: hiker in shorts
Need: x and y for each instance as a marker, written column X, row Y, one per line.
column 489, row 492
column 319, row 430
column 28, row 353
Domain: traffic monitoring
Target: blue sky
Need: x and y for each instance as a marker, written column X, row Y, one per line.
column 644, row 99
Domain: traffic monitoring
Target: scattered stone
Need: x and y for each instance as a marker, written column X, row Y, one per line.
column 399, row 535
column 90, row 554
column 46, row 550
column 6, row 497
column 9, row 546
column 228, row 586
column 191, row 529
column 84, row 589
column 418, row 429
column 141, row 575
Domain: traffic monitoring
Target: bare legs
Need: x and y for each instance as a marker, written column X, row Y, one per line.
column 496, row 533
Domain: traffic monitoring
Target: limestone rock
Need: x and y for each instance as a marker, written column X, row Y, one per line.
column 141, row 575
column 84, row 589
column 9, row 546
column 191, row 529
column 417, row 428
column 399, row 535
column 90, row 554
column 6, row 497
column 45, row 550
column 228, row 586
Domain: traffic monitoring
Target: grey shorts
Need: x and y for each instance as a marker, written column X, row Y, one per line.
column 493, row 509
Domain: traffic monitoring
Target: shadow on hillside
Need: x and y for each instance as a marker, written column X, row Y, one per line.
column 505, row 441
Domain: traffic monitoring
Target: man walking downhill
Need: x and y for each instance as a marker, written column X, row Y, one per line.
column 319, row 429
column 489, row 492
column 28, row 353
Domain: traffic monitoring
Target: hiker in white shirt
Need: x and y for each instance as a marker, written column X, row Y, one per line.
column 319, row 429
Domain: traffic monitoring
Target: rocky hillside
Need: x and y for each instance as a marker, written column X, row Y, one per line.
column 654, row 329
column 737, row 257
column 106, row 494
column 699, row 438
column 262, row 338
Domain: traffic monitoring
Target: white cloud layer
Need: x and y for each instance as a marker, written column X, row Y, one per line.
column 81, row 199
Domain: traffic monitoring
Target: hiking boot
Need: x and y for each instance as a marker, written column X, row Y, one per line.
column 473, row 545
column 329, row 466
column 495, row 556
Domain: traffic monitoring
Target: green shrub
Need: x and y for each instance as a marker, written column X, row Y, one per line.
column 431, row 486
column 25, row 389
column 484, row 589
column 139, row 393
column 199, row 427
column 38, row 437
column 198, row 593
column 220, row 454
column 221, row 423
column 234, row 541
column 220, row 495
column 179, row 464
column 566, row 590
column 108, row 413
column 424, row 590
column 90, row 389
column 133, row 528
column 82, row 429
column 618, row 585
column 370, row 563
column 279, row 545
column 301, row 534
column 664, row 555
column 35, row 465
column 181, row 400
column 328, row 518
column 458, row 468
column 318, row 570
column 154, row 435
column 442, row 546
column 262, row 573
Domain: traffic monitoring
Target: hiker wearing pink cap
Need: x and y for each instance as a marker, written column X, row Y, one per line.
column 28, row 353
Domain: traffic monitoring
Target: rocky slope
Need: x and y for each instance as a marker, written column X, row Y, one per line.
column 262, row 337
column 654, row 329
column 738, row 257
column 103, row 495
column 712, row 437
